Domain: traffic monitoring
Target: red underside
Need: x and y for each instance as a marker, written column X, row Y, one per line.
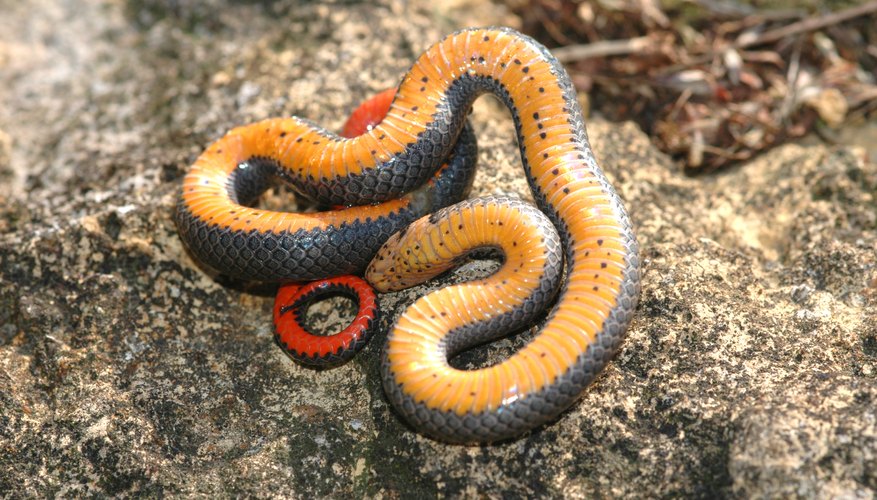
column 293, row 334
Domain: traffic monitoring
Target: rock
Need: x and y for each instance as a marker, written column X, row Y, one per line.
column 125, row 369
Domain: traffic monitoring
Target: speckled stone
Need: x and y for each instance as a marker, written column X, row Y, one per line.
column 749, row 371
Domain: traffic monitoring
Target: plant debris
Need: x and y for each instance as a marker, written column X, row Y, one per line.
column 715, row 81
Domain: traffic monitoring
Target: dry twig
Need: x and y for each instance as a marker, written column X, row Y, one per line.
column 601, row 49
column 810, row 24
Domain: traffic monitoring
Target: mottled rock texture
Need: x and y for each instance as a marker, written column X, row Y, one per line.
column 750, row 369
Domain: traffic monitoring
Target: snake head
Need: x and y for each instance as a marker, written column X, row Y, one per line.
column 406, row 259
column 380, row 270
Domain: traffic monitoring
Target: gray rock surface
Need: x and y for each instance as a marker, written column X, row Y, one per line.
column 750, row 369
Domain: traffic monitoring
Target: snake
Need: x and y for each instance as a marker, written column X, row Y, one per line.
column 569, row 262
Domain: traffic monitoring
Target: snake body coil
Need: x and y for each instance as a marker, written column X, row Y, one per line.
column 593, row 307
